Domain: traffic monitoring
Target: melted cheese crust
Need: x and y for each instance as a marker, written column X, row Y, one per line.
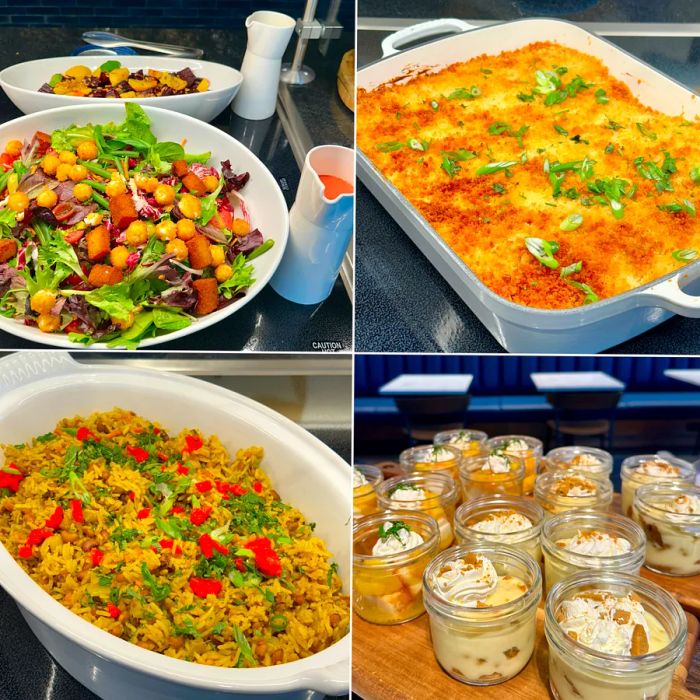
column 487, row 228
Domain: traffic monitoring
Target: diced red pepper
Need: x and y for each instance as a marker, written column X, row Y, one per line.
column 96, row 556
column 177, row 551
column 177, row 509
column 221, row 487
column 74, row 237
column 26, row 551
column 162, row 456
column 208, row 544
column 203, row 486
column 257, row 487
column 84, row 434
column 39, row 535
column 11, row 481
column 199, row 515
column 266, row 559
column 202, row 587
column 192, row 443
column 6, row 160
column 166, row 544
column 182, row 470
column 113, row 611
column 237, row 490
column 132, row 495
column 156, row 431
column 138, row 453
column 143, row 513
column 76, row 507
column 56, row 518
column 240, row 564
column 74, row 325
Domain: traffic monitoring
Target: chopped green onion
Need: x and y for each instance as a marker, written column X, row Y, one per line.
column 645, row 132
column 695, row 174
column 388, row 146
column 675, row 208
column 486, row 71
column 498, row 188
column 685, row 254
column 496, row 167
column 609, row 148
column 434, row 105
column 590, row 297
column 418, row 144
column 571, row 269
column 278, row 623
column 463, row 94
column 523, row 97
column 571, row 223
column 561, row 130
column 601, row 97
column 613, row 125
column 543, row 250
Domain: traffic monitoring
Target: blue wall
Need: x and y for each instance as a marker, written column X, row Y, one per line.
column 188, row 14
column 507, row 374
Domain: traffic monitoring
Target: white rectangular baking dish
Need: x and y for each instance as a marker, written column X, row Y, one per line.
column 37, row 389
column 586, row 329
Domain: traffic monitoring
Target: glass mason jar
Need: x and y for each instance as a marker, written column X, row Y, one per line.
column 559, row 492
column 438, row 498
column 484, row 645
column 589, row 460
column 469, row 514
column 364, row 496
column 531, row 457
column 673, row 539
column 432, row 458
column 477, row 479
column 632, row 479
column 560, row 563
column 577, row 672
column 471, row 442
column 387, row 590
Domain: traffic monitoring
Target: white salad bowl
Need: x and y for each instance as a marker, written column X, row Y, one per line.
column 37, row 389
column 22, row 81
column 266, row 204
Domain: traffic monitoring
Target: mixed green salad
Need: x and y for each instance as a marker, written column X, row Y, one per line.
column 109, row 235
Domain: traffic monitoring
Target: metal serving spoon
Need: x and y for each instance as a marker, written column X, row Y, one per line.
column 109, row 40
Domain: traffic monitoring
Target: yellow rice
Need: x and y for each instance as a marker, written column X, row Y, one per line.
column 261, row 621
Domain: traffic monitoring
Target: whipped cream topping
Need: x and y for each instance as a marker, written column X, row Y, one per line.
column 574, row 487
column 583, row 460
column 503, row 523
column 516, row 447
column 605, row 622
column 496, row 463
column 466, row 580
column 595, row 544
column 358, row 479
column 406, row 493
column 686, row 504
column 394, row 538
column 461, row 440
column 436, row 454
column 658, row 467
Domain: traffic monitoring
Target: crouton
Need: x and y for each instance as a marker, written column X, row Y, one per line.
column 207, row 296
column 199, row 252
column 122, row 210
column 100, row 275
column 194, row 184
column 98, row 243
column 8, row 249
column 180, row 168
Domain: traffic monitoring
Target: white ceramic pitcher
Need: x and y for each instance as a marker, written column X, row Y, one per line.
column 320, row 228
column 268, row 36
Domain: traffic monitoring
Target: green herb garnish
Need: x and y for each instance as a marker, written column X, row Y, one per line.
column 571, row 269
column 601, row 97
column 645, row 132
column 463, row 94
column 496, row 167
column 571, row 223
column 685, row 254
column 543, row 250
column 590, row 297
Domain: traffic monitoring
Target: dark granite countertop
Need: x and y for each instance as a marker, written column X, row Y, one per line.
column 404, row 305
column 269, row 322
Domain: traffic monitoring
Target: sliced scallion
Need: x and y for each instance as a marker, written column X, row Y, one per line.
column 543, row 250
column 571, row 269
column 571, row 223
column 492, row 168
column 685, row 254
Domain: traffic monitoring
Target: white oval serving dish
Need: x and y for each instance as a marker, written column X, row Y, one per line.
column 37, row 389
column 22, row 81
column 268, row 209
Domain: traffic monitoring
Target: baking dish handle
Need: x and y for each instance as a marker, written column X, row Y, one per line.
column 22, row 367
column 332, row 680
column 423, row 30
column 669, row 295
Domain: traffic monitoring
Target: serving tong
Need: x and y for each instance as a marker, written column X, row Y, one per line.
column 108, row 40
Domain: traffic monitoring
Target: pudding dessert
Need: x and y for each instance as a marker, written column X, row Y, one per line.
column 491, row 474
column 559, row 492
column 526, row 448
column 390, row 552
column 482, row 604
column 469, row 441
column 434, row 493
column 612, row 636
column 651, row 469
column 588, row 460
column 670, row 517
column 365, row 479
column 499, row 520
column 577, row 541
column 432, row 458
